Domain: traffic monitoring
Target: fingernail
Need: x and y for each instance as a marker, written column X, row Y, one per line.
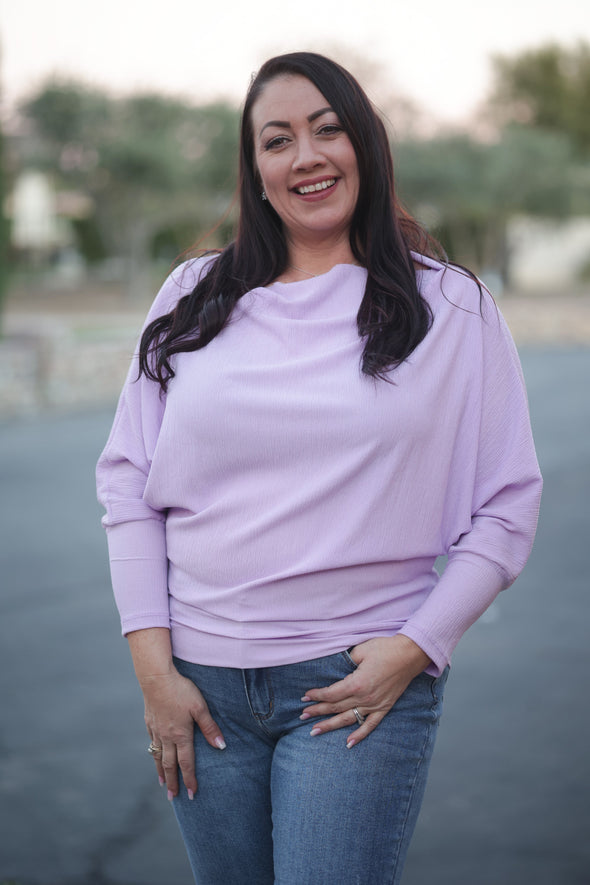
column 191, row 795
column 315, row 731
column 350, row 743
column 219, row 742
column 305, row 716
column 305, row 698
column 161, row 780
column 170, row 795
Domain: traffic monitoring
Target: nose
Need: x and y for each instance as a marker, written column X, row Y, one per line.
column 307, row 154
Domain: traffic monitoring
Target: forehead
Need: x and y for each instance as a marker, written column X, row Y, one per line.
column 285, row 97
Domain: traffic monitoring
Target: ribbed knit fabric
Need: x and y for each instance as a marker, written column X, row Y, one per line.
column 277, row 505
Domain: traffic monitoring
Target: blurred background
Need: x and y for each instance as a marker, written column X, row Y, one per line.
column 118, row 152
column 119, row 136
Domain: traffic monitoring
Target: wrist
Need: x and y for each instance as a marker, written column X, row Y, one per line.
column 416, row 657
column 152, row 654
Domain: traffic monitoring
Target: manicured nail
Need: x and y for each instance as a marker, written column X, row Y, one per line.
column 315, row 731
column 161, row 780
column 170, row 795
column 191, row 795
column 305, row 698
column 305, row 716
column 350, row 743
column 219, row 742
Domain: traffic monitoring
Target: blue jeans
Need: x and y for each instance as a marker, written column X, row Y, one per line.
column 278, row 807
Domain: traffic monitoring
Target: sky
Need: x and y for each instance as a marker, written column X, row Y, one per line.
column 437, row 54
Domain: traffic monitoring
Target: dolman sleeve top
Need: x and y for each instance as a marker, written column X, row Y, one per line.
column 276, row 504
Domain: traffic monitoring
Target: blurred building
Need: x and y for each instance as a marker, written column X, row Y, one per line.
column 41, row 231
column 549, row 256
column 37, row 228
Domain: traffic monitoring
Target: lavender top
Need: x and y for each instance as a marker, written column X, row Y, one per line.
column 277, row 505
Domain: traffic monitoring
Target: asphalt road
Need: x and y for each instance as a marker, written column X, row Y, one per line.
column 508, row 799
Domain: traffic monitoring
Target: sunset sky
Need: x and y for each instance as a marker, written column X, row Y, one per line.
column 435, row 53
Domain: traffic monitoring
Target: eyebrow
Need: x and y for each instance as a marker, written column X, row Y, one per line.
column 284, row 124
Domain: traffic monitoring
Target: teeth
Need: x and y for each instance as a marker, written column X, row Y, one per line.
column 320, row 186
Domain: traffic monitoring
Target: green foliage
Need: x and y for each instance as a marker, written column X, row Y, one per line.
column 160, row 171
column 546, row 88
column 466, row 190
column 3, row 225
column 147, row 162
column 66, row 112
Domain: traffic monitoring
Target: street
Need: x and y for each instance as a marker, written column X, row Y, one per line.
column 508, row 798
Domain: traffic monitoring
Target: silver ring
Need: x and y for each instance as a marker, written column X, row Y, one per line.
column 359, row 717
column 154, row 751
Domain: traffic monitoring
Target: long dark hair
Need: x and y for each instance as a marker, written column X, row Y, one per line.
column 393, row 318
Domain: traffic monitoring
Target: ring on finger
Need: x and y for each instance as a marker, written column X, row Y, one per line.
column 154, row 750
column 358, row 716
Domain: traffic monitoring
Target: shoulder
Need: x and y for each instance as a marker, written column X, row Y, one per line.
column 463, row 305
column 448, row 284
column 180, row 282
column 185, row 276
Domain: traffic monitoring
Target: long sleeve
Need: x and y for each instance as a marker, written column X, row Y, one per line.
column 136, row 532
column 277, row 505
column 507, row 484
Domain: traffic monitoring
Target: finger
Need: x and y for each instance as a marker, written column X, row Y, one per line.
column 155, row 743
column 359, row 734
column 185, row 753
column 326, row 709
column 334, row 693
column 209, row 728
column 170, row 768
column 160, row 770
column 371, row 722
column 333, row 723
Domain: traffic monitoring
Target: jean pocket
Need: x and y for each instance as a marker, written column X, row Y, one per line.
column 348, row 659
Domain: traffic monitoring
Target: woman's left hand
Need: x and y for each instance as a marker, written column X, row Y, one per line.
column 385, row 667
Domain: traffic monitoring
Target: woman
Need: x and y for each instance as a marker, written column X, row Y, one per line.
column 321, row 411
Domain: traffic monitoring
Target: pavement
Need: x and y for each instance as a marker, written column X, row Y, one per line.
column 507, row 800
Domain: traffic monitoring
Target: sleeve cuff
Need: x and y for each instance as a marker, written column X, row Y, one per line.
column 139, row 573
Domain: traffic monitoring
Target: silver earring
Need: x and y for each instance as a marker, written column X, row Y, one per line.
column 263, row 195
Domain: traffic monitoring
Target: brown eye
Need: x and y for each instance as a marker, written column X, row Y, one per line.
column 330, row 129
column 276, row 142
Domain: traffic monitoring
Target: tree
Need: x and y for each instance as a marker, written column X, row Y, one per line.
column 546, row 88
column 3, row 225
column 466, row 191
column 148, row 162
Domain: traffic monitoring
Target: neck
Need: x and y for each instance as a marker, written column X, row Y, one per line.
column 312, row 260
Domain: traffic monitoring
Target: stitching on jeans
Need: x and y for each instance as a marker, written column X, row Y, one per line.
column 260, row 718
column 271, row 699
column 427, row 736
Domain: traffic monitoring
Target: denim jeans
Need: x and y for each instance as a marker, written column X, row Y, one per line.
column 279, row 807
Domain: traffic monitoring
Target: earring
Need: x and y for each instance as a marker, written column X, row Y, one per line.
column 263, row 195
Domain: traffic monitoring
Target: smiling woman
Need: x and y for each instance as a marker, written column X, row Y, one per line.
column 321, row 410
column 309, row 173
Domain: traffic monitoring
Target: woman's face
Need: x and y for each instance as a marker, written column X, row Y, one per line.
column 306, row 161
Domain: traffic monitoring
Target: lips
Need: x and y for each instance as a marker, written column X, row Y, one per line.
column 315, row 187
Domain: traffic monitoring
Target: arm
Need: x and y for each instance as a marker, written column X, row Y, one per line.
column 506, row 491
column 484, row 560
column 386, row 666
column 172, row 705
column 136, row 536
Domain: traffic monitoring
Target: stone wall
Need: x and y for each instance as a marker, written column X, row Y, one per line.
column 63, row 368
column 77, row 359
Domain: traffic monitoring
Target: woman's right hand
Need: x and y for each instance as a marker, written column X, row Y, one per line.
column 173, row 704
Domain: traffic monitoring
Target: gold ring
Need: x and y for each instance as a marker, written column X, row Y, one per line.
column 154, row 751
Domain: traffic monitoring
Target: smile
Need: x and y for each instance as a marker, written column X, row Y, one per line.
column 313, row 188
